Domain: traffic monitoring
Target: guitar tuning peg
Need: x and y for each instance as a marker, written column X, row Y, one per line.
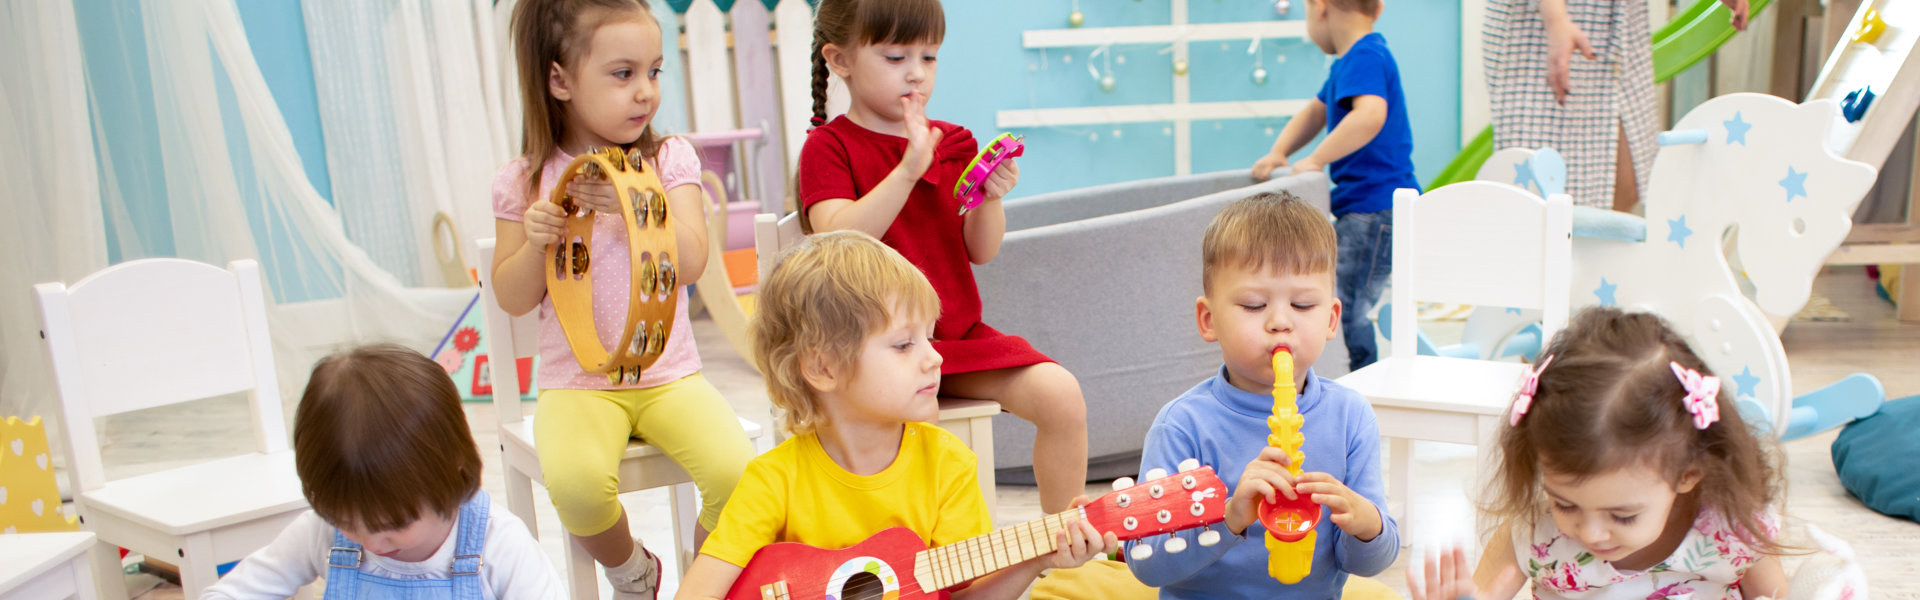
column 1189, row 464
column 1209, row 537
column 1176, row 545
column 1122, row 483
column 1142, row 552
column 1156, row 473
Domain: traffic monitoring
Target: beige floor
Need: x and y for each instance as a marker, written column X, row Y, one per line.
column 1819, row 353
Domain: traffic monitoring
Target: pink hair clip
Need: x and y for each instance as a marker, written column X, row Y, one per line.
column 1703, row 395
column 1527, row 389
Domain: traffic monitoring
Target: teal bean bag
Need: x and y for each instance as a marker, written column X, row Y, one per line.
column 1874, row 457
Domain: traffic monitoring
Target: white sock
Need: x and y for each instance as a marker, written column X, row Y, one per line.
column 639, row 565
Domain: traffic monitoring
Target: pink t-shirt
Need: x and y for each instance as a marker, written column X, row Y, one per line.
column 678, row 165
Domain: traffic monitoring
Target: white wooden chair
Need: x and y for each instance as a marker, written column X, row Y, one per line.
column 46, row 566
column 156, row 332
column 971, row 419
column 643, row 467
column 1478, row 243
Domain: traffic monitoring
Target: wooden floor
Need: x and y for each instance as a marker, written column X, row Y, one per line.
column 1818, row 352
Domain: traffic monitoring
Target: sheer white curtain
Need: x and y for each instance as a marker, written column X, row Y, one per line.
column 53, row 229
column 414, row 119
column 230, row 183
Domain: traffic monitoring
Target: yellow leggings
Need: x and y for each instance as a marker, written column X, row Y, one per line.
column 582, row 433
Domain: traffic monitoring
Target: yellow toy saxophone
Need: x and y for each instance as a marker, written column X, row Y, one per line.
column 1289, row 523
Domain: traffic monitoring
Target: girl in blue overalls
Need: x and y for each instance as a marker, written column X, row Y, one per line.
column 389, row 465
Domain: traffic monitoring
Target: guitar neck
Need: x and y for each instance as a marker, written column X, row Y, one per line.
column 953, row 564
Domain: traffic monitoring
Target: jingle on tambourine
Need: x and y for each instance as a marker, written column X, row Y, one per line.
column 652, row 296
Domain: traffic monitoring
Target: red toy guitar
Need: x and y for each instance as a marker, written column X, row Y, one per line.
column 895, row 563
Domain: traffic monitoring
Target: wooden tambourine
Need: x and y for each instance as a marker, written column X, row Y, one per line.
column 652, row 299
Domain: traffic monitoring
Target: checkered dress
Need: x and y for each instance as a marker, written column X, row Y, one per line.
column 1614, row 91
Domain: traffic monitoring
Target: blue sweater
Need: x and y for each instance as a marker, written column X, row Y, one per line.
column 1226, row 427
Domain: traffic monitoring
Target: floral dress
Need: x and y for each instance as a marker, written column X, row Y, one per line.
column 1708, row 564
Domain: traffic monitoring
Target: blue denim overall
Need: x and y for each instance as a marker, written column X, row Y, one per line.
column 346, row 582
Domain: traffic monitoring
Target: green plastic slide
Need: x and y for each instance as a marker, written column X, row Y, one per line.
column 1690, row 37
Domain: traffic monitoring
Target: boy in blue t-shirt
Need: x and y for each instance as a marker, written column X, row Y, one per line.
column 1368, row 153
column 1267, row 265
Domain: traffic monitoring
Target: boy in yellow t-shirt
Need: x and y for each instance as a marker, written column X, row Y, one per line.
column 843, row 335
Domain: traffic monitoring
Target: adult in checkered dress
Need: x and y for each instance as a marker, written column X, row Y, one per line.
column 1577, row 76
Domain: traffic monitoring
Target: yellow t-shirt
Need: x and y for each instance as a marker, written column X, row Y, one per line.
column 796, row 493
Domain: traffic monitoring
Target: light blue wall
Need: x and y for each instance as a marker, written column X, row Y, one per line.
column 121, row 88
column 983, row 69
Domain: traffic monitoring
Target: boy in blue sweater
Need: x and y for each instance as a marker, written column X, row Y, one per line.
column 1368, row 153
column 1268, row 264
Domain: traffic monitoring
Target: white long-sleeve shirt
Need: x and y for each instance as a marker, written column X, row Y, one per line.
column 511, row 564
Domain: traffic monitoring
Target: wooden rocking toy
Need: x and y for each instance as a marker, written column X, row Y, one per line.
column 652, row 299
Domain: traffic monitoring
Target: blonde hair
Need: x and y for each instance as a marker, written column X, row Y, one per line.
column 550, row 32
column 1609, row 400
column 1268, row 230
column 822, row 300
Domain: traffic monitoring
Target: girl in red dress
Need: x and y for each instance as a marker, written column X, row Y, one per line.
column 886, row 170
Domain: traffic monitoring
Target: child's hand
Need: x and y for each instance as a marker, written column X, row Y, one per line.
column 1263, row 168
column 1350, row 511
column 1079, row 543
column 544, row 223
column 597, row 195
column 922, row 138
column 1002, row 180
column 1563, row 39
column 1307, row 165
column 1449, row 578
column 1264, row 479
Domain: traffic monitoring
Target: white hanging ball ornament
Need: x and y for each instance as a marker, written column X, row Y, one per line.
column 1107, row 83
column 1076, row 19
column 1260, row 76
column 1282, row 7
column 1179, row 67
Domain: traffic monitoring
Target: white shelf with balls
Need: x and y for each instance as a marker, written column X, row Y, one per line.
column 1182, row 112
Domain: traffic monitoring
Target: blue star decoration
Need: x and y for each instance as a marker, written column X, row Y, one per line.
column 1605, row 292
column 1677, row 231
column 1746, row 382
column 1737, row 129
column 1522, row 174
column 1795, row 184
column 1513, row 311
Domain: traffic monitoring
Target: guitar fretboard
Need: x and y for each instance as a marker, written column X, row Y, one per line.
column 972, row 558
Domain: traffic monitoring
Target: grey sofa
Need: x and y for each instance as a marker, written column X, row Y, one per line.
column 1103, row 279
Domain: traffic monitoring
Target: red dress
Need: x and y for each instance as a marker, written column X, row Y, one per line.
column 844, row 160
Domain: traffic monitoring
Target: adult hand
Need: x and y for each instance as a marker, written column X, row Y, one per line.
column 1563, row 39
column 1739, row 8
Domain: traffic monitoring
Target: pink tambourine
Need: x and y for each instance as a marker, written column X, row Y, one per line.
column 971, row 190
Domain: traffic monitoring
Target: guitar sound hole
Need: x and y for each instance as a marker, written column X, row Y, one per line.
column 863, row 586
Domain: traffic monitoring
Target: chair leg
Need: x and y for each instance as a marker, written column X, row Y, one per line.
column 686, row 518
column 583, row 581
column 199, row 569
column 520, row 499
column 107, row 577
column 1400, row 486
column 981, row 433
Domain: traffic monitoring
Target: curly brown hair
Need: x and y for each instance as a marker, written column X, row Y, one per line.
column 1610, row 400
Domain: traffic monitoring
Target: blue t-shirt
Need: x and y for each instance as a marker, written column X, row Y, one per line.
column 1364, row 181
column 1226, row 427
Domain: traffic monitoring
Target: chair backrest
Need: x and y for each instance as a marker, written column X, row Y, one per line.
column 1480, row 243
column 155, row 332
column 506, row 336
column 773, row 234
